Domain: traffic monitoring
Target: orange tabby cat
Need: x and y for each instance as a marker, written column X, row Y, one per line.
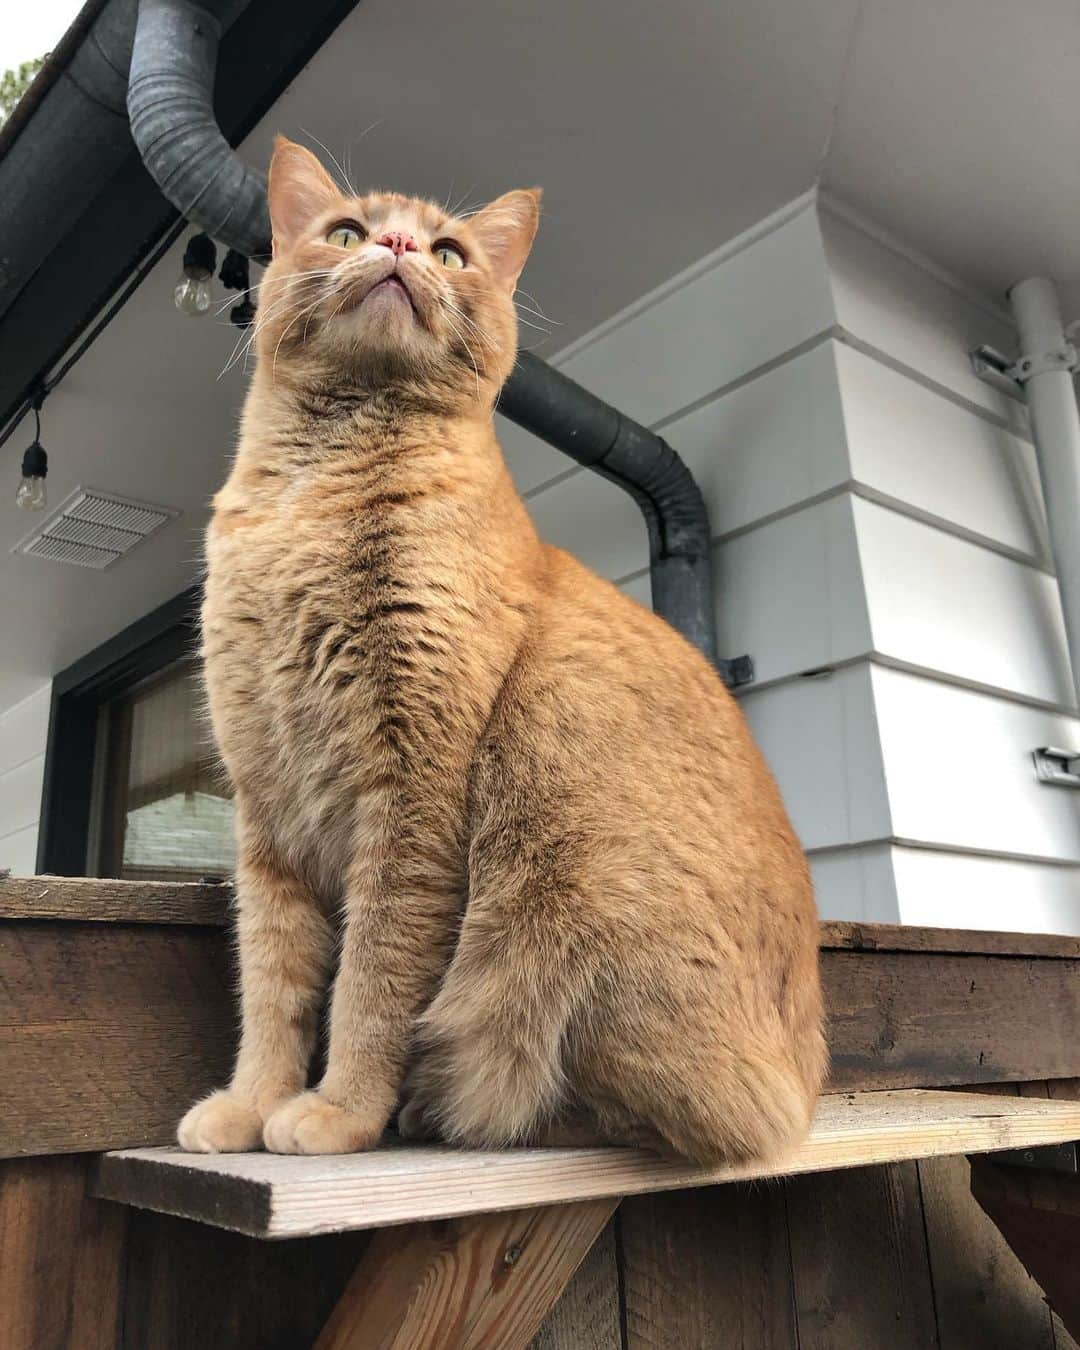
column 521, row 812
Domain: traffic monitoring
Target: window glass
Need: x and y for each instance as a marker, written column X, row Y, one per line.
column 169, row 809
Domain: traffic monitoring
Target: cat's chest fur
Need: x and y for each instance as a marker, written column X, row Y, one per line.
column 351, row 633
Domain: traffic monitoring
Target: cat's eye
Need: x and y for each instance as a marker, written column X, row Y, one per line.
column 449, row 255
column 346, row 236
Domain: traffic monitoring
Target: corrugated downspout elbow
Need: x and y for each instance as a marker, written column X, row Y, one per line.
column 170, row 103
column 557, row 408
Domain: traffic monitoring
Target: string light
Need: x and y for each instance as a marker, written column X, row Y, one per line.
column 31, row 494
column 193, row 294
column 235, row 275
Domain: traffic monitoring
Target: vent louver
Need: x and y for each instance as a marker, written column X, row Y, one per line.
column 94, row 529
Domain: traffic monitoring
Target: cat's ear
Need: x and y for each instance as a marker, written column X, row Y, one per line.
column 299, row 189
column 506, row 229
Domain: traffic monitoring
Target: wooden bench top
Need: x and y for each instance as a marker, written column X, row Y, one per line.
column 273, row 1196
column 209, row 904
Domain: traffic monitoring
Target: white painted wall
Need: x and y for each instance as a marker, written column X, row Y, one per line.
column 880, row 550
column 23, row 731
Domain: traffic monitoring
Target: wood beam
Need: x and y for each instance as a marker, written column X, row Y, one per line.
column 485, row 1282
column 1038, row 1214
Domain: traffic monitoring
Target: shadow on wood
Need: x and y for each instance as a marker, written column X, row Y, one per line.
column 1038, row 1214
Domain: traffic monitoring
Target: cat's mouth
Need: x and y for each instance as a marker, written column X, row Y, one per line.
column 388, row 285
column 391, row 289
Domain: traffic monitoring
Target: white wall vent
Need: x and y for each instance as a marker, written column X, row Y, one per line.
column 94, row 529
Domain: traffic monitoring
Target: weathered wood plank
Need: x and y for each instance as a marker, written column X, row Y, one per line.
column 983, row 1295
column 1046, row 1236
column 114, row 1028
column 108, row 1032
column 190, row 1287
column 61, row 1258
column 859, row 1258
column 271, row 1195
column 888, row 937
column 1064, row 1089
column 901, row 1019
column 102, row 900
column 586, row 1317
column 481, row 1283
column 708, row 1267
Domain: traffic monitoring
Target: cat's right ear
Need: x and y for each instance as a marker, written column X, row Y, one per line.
column 299, row 189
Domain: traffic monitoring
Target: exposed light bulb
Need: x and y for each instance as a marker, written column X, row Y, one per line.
column 31, row 495
column 193, row 296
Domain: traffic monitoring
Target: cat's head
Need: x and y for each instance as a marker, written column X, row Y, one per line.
column 390, row 289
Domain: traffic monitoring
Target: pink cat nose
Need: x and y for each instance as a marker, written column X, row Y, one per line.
column 398, row 242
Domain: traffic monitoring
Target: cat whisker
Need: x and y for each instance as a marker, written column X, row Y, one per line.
column 464, row 342
column 236, row 296
column 538, row 326
column 333, row 159
column 456, row 209
column 520, row 290
column 484, row 338
column 323, row 295
column 265, row 314
column 520, row 305
column 348, row 153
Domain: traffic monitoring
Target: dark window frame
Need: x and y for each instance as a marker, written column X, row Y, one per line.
column 150, row 645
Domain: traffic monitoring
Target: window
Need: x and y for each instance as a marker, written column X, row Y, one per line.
column 133, row 787
column 164, row 808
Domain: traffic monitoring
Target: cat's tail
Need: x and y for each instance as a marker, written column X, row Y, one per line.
column 749, row 1108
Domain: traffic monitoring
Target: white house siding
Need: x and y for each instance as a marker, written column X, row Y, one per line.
column 880, row 550
column 734, row 362
column 969, row 667
column 23, row 731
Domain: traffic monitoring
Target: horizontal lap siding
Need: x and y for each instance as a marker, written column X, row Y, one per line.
column 23, row 732
column 723, row 323
column 960, row 774
column 858, row 881
column 987, row 892
column 900, row 308
column 820, row 738
column 699, row 334
column 949, row 606
column 971, row 669
column 738, row 369
column 928, row 454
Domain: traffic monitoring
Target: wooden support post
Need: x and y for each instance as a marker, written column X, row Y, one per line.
column 61, row 1258
column 1038, row 1214
column 480, row 1283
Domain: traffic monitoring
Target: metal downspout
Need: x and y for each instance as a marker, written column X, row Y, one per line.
column 1045, row 368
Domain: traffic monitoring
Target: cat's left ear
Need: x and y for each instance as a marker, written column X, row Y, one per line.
column 506, row 229
column 299, row 189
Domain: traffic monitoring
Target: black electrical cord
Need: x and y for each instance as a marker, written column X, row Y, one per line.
column 47, row 385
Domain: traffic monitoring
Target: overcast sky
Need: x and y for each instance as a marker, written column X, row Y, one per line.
column 31, row 29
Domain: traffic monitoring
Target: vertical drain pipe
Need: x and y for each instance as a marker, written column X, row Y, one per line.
column 1045, row 368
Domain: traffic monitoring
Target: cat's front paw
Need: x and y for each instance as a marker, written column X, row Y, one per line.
column 311, row 1124
column 221, row 1123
